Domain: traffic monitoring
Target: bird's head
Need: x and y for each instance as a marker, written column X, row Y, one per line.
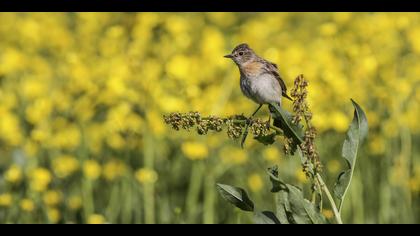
column 242, row 54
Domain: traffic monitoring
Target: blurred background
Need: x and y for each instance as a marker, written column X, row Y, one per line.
column 82, row 95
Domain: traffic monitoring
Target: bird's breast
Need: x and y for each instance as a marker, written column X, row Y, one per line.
column 252, row 69
column 262, row 89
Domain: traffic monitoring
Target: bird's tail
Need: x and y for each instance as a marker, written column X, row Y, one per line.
column 287, row 96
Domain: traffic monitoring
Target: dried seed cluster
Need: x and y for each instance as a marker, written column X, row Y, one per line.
column 300, row 105
column 259, row 128
column 302, row 111
column 234, row 124
column 287, row 145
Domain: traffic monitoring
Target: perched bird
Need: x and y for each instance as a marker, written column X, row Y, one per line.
column 260, row 79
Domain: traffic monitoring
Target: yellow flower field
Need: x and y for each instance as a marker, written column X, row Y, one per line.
column 82, row 96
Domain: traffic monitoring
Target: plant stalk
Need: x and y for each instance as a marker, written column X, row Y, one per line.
column 330, row 198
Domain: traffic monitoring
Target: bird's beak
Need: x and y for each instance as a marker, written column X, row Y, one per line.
column 228, row 56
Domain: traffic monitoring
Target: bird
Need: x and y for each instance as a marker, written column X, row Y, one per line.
column 260, row 79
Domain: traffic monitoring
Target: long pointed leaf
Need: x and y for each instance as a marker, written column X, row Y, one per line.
column 355, row 135
column 237, row 196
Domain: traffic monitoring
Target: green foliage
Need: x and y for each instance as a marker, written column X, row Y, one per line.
column 265, row 217
column 267, row 139
column 237, row 196
column 291, row 131
column 355, row 135
column 291, row 205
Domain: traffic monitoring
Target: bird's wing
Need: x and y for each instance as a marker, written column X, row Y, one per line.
column 273, row 69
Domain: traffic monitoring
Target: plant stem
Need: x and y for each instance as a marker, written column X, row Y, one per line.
column 209, row 199
column 196, row 179
column 87, row 193
column 330, row 198
column 149, row 192
column 276, row 129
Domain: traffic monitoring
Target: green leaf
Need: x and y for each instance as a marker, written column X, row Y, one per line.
column 342, row 181
column 355, row 136
column 291, row 206
column 265, row 217
column 237, row 196
column 268, row 139
column 303, row 211
column 283, row 207
column 280, row 190
column 275, row 181
column 291, row 131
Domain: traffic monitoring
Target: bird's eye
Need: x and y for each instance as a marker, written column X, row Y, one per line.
column 241, row 53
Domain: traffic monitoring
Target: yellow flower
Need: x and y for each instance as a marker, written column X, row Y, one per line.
column 145, row 175
column 328, row 29
column 10, row 129
column 301, row 176
column 271, row 154
column 155, row 123
column 32, row 88
column 6, row 199
column 74, row 202
column 195, row 150
column 333, row 166
column 13, row 174
column 54, row 215
column 52, row 198
column 339, row 121
column 39, row 110
column 414, row 36
column 115, row 141
column 67, row 137
column 15, row 60
column 377, row 145
column 65, row 165
column 233, row 155
column 113, row 169
column 27, row 205
column 40, row 178
column 92, row 169
column 30, row 148
column 179, row 67
column 96, row 219
column 328, row 213
column 255, row 182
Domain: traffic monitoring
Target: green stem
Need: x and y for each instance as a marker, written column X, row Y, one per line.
column 313, row 196
column 194, row 190
column 149, row 203
column 276, row 129
column 112, row 211
column 209, row 200
column 88, row 208
column 340, row 206
column 330, row 198
column 127, row 206
column 149, row 200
